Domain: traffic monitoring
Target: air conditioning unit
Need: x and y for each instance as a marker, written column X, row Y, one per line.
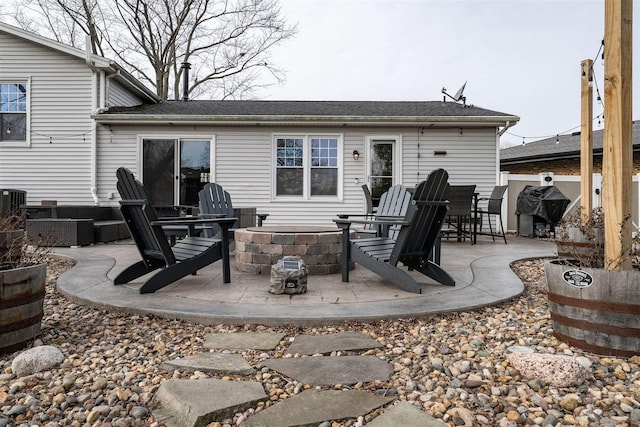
column 12, row 201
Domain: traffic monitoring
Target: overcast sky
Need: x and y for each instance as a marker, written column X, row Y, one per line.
column 518, row 57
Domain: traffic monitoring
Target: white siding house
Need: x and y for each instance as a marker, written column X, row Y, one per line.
column 243, row 148
column 293, row 160
column 48, row 92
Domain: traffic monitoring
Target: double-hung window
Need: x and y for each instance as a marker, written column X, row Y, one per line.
column 307, row 166
column 13, row 111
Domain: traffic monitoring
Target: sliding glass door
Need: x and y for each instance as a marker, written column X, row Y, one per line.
column 175, row 170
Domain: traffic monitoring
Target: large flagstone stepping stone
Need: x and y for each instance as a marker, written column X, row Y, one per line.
column 244, row 340
column 406, row 415
column 312, row 407
column 216, row 363
column 325, row 370
column 324, row 344
column 196, row 403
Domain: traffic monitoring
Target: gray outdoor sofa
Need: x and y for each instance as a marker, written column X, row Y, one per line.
column 74, row 225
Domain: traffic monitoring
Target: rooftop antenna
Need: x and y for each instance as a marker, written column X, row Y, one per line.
column 458, row 96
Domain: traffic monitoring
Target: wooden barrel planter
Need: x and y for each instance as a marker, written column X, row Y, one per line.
column 595, row 309
column 22, row 293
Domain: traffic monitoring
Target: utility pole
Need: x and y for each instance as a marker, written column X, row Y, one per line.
column 617, row 151
column 586, row 139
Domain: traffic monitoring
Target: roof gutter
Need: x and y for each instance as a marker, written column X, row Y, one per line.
column 281, row 120
column 506, row 127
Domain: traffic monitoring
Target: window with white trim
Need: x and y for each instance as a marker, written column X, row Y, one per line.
column 307, row 166
column 13, row 111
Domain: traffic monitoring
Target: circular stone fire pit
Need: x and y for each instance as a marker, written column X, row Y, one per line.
column 258, row 248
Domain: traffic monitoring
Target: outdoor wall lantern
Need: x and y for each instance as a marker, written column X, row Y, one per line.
column 356, row 155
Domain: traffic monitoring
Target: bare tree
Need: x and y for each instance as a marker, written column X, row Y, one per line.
column 66, row 21
column 227, row 41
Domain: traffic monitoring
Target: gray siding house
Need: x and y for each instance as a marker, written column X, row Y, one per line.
column 300, row 161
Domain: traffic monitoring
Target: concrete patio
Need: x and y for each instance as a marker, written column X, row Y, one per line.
column 482, row 273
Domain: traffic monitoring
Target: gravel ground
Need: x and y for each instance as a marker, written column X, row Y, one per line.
column 111, row 368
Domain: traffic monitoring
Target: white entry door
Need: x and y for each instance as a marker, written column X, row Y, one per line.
column 383, row 165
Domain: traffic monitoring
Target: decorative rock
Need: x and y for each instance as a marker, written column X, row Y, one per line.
column 519, row 349
column 139, row 412
column 550, row 420
column 36, row 359
column 99, row 383
column 103, row 345
column 513, row 416
column 558, row 370
column 97, row 412
column 584, row 361
column 464, row 414
column 17, row 410
column 436, row 361
column 473, row 383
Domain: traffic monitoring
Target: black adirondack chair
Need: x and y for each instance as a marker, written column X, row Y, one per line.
column 418, row 234
column 186, row 257
column 393, row 204
column 215, row 202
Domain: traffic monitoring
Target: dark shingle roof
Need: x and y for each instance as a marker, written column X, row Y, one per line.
column 309, row 108
column 567, row 146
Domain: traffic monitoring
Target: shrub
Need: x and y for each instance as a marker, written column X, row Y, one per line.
column 14, row 252
column 582, row 244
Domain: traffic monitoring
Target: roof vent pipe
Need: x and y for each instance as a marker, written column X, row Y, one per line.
column 185, row 80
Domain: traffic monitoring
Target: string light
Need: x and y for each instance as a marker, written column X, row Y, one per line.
column 592, row 81
column 63, row 136
column 599, row 118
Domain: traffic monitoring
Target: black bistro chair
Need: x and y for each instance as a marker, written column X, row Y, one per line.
column 493, row 207
column 460, row 215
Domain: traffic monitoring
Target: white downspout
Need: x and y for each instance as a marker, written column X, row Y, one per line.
column 498, row 135
column 506, row 127
column 94, row 106
column 94, row 136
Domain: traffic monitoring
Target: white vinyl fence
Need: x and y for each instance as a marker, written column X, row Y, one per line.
column 569, row 185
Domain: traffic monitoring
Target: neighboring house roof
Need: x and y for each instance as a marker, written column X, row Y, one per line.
column 94, row 61
column 567, row 146
column 433, row 113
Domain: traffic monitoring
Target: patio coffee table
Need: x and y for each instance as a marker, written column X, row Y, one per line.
column 258, row 248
